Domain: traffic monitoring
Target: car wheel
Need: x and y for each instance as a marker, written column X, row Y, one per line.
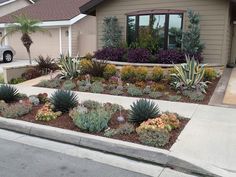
column 7, row 57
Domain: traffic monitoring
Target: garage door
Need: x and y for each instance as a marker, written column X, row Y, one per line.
column 43, row 44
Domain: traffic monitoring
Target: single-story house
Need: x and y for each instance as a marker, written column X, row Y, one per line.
column 71, row 32
column 9, row 6
column 216, row 21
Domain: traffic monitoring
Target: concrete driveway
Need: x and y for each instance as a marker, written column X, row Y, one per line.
column 16, row 62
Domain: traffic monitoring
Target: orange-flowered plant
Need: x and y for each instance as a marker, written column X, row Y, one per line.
column 46, row 113
column 156, row 132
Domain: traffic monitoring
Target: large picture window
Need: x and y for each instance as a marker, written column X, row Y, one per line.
column 165, row 28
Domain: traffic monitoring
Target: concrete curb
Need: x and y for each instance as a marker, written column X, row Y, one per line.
column 130, row 150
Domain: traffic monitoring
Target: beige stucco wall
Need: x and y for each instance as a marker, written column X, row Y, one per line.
column 64, row 40
column 11, row 7
column 84, row 36
column 44, row 44
column 214, row 21
column 233, row 50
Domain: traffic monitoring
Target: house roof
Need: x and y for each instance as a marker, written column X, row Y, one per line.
column 3, row 2
column 90, row 6
column 48, row 10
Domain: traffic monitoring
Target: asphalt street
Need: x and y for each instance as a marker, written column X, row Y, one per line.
column 20, row 160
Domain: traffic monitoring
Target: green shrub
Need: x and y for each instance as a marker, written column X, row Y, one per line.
column 110, row 70
column 68, row 85
column 8, row 93
column 85, row 64
column 210, row 74
column 141, row 73
column 134, row 91
column 64, row 100
column 16, row 110
column 17, row 80
column 97, row 87
column 93, row 121
column 128, row 73
column 97, row 68
column 157, row 74
column 54, row 83
column 69, row 67
column 155, row 95
column 45, row 65
column 1, row 79
column 142, row 110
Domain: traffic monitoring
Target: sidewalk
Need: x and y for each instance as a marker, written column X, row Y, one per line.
column 230, row 95
column 210, row 137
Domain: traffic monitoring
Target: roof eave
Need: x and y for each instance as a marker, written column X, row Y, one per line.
column 55, row 23
column 90, row 6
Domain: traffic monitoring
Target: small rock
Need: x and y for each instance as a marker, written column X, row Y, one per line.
column 120, row 119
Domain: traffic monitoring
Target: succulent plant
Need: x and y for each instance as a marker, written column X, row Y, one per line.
column 147, row 90
column 116, row 92
column 174, row 98
column 97, row 87
column 93, row 121
column 189, row 75
column 69, row 67
column 155, row 95
column 92, row 104
column 125, row 129
column 3, row 105
column 16, row 110
column 193, row 95
column 68, row 85
column 134, row 91
column 54, row 83
column 142, row 110
column 8, row 93
column 34, row 100
column 64, row 100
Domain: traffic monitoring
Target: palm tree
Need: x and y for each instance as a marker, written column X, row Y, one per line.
column 26, row 26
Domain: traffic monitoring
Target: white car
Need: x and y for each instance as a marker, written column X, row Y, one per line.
column 6, row 53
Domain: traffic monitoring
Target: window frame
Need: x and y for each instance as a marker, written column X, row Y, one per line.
column 167, row 14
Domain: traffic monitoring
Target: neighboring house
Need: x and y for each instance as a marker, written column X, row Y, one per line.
column 72, row 33
column 217, row 21
column 9, row 6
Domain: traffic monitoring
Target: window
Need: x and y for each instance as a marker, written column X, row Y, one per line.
column 166, row 28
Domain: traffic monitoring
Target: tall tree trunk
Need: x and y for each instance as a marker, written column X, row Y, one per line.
column 27, row 41
column 29, row 54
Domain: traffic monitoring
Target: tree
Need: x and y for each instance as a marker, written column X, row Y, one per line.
column 26, row 26
column 191, row 38
column 111, row 32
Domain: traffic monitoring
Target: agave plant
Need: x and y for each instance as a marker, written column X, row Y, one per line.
column 64, row 100
column 189, row 75
column 143, row 110
column 8, row 93
column 69, row 67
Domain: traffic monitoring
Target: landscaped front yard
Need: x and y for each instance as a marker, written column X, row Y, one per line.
column 144, row 123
